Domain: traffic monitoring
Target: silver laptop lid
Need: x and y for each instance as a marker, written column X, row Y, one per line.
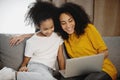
column 83, row 65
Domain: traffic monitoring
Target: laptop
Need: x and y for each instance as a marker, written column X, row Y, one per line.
column 83, row 65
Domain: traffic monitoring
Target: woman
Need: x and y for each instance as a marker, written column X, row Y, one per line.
column 81, row 39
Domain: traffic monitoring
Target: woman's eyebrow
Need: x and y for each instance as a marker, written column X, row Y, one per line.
column 64, row 21
column 70, row 18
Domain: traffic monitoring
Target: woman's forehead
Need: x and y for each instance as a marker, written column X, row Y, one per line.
column 65, row 15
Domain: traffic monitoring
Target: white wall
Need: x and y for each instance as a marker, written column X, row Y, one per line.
column 12, row 16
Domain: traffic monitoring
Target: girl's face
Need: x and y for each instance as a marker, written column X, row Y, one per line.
column 47, row 27
column 67, row 22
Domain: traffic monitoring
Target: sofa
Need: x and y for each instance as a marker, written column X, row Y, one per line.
column 13, row 56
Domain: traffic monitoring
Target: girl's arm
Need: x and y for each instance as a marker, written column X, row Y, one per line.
column 18, row 39
column 24, row 64
column 61, row 59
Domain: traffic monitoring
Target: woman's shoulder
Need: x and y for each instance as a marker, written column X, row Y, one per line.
column 90, row 27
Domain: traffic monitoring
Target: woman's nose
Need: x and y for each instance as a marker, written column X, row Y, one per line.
column 68, row 25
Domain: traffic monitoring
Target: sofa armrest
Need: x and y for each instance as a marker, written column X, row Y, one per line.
column 10, row 56
column 113, row 44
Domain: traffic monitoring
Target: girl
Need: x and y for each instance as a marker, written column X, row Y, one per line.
column 42, row 49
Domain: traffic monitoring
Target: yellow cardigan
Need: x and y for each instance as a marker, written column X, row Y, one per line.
column 90, row 43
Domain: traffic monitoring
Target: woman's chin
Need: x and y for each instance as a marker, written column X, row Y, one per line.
column 70, row 32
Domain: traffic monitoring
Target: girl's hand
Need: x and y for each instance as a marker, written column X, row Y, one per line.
column 23, row 69
column 16, row 40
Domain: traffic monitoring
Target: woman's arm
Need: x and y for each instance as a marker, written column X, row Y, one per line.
column 18, row 39
column 105, row 52
column 96, row 39
column 61, row 59
column 24, row 64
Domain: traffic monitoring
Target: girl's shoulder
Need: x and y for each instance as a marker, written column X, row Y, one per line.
column 56, row 34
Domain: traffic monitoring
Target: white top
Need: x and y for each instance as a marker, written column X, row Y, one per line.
column 43, row 49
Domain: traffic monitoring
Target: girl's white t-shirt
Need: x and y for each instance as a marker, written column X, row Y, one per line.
column 43, row 49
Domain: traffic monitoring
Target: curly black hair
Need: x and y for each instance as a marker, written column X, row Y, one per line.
column 79, row 15
column 40, row 11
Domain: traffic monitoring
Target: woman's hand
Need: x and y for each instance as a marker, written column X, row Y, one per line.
column 16, row 40
column 23, row 69
column 105, row 53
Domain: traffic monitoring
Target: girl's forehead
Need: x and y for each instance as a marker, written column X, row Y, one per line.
column 47, row 23
column 49, row 20
column 45, row 20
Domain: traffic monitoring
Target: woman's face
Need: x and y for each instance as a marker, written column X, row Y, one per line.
column 67, row 22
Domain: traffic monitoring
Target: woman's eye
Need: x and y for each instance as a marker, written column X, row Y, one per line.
column 70, row 20
column 62, row 23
